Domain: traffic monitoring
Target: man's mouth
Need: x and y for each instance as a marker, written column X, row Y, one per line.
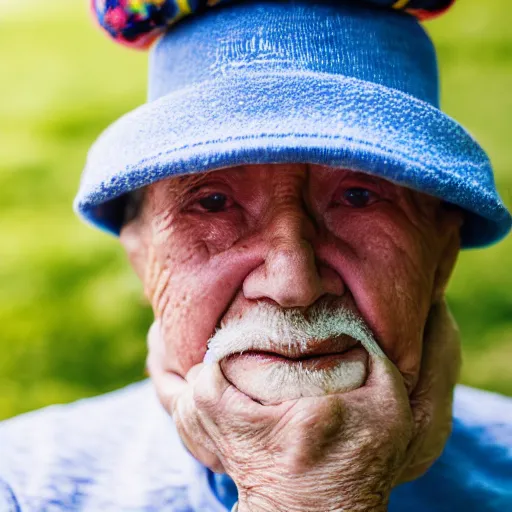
column 289, row 372
column 324, row 356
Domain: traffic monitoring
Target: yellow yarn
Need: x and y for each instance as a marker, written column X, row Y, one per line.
column 400, row 4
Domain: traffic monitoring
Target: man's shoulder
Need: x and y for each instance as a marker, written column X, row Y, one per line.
column 117, row 448
column 474, row 473
column 482, row 422
column 85, row 426
column 122, row 404
column 122, row 448
column 483, row 409
column 100, row 407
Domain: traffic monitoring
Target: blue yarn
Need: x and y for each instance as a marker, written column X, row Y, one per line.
column 332, row 83
column 138, row 23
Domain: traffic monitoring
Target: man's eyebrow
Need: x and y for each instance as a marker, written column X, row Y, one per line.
column 187, row 180
column 194, row 179
column 363, row 176
column 184, row 179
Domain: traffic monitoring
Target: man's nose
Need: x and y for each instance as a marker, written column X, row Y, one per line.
column 291, row 275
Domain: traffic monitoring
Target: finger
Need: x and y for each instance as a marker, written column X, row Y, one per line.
column 216, row 398
column 164, row 351
column 382, row 400
column 384, row 379
column 176, row 395
column 205, row 457
column 168, row 385
column 193, row 373
column 154, row 338
column 168, row 382
column 193, row 434
column 214, row 394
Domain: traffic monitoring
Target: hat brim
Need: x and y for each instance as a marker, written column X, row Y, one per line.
column 283, row 117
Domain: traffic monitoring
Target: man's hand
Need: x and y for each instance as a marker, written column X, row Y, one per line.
column 432, row 399
column 338, row 452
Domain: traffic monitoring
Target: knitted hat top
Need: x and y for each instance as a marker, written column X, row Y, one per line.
column 138, row 23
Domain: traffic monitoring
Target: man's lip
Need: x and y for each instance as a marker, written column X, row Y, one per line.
column 331, row 347
column 275, row 355
column 260, row 361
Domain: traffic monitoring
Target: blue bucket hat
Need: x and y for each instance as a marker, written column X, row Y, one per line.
column 339, row 83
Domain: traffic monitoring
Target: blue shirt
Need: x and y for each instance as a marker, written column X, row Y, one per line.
column 121, row 452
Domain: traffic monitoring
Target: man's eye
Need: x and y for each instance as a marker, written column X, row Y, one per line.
column 358, row 197
column 214, row 202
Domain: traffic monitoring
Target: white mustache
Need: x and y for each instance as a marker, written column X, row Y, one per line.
column 266, row 328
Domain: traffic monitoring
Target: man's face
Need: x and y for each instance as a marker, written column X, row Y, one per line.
column 210, row 248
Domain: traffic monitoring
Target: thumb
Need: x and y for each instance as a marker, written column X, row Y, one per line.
column 168, row 385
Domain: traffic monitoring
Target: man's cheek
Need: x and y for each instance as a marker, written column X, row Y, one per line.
column 173, row 258
column 198, row 236
column 395, row 300
column 184, row 342
column 188, row 301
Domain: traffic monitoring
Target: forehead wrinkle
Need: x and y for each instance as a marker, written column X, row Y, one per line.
column 239, row 172
column 192, row 180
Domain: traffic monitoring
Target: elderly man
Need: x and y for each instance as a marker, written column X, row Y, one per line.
column 293, row 202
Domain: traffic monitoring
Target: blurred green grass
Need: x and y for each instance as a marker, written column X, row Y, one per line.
column 72, row 317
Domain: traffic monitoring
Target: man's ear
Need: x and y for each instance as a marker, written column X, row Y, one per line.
column 450, row 225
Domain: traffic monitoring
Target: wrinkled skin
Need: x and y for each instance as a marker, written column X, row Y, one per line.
column 292, row 234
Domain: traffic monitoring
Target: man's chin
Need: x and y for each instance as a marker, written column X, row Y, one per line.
column 271, row 379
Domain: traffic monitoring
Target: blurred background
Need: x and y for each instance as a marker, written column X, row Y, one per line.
column 72, row 317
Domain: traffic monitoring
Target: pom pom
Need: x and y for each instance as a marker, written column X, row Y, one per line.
column 138, row 23
column 426, row 10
